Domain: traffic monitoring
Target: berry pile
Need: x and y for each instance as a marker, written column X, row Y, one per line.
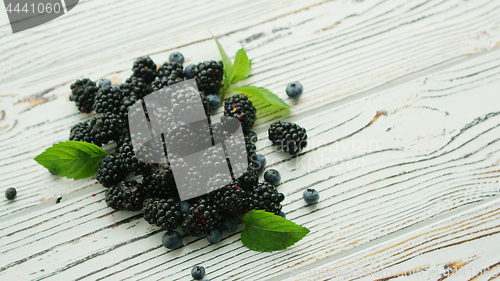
column 155, row 190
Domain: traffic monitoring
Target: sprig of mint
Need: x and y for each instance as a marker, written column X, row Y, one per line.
column 267, row 232
column 239, row 70
column 72, row 159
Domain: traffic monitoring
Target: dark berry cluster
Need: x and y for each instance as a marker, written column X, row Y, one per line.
column 241, row 108
column 288, row 136
column 208, row 76
column 83, row 94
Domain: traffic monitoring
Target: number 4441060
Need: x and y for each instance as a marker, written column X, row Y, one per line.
column 39, row 8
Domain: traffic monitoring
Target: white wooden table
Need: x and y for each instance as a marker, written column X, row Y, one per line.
column 402, row 108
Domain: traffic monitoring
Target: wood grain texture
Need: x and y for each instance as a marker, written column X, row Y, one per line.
column 401, row 107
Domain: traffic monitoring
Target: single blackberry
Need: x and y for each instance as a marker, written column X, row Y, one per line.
column 201, row 218
column 240, row 107
column 81, row 132
column 249, row 179
column 108, row 100
column 168, row 74
column 288, row 136
column 83, row 93
column 126, row 153
column 135, row 86
column 110, row 171
column 230, row 199
column 160, row 182
column 264, row 196
column 208, row 76
column 165, row 213
column 127, row 195
column 145, row 68
column 105, row 128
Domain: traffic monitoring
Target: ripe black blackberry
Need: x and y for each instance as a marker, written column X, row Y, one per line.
column 105, row 128
column 160, row 182
column 127, row 195
column 126, row 153
column 145, row 68
column 241, row 108
column 288, row 136
column 208, row 76
column 168, row 74
column 83, row 93
column 108, row 100
column 165, row 213
column 135, row 86
column 230, row 199
column 249, row 179
column 264, row 196
column 203, row 215
column 81, row 132
column 111, row 171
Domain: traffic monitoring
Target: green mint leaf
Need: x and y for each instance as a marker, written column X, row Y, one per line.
column 72, row 159
column 241, row 67
column 226, row 63
column 267, row 232
column 262, row 94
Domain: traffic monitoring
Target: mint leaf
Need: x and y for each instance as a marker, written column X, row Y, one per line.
column 267, row 232
column 72, row 159
column 241, row 67
column 262, row 94
column 226, row 63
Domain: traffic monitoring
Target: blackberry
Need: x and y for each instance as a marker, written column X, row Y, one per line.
column 83, row 93
column 108, row 100
column 105, row 128
column 126, row 153
column 10, row 193
column 160, row 182
column 294, row 89
column 127, row 195
column 288, row 136
column 264, row 196
column 168, row 74
column 311, row 196
column 145, row 68
column 230, row 199
column 201, row 218
column 208, row 76
column 249, row 179
column 176, row 57
column 135, row 86
column 81, row 132
column 272, row 176
column 240, row 107
column 110, row 171
column 172, row 240
column 165, row 213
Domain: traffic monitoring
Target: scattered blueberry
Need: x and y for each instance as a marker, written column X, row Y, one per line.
column 214, row 101
column 172, row 240
column 115, row 86
column 198, row 272
column 259, row 162
column 10, row 193
column 311, row 196
column 104, row 82
column 177, row 57
column 252, row 136
column 189, row 71
column 229, row 224
column 282, row 214
column 185, row 207
column 294, row 89
column 272, row 176
column 214, row 236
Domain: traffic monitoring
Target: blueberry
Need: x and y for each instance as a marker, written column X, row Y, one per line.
column 259, row 162
column 294, row 89
column 198, row 272
column 282, row 214
column 214, row 101
column 189, row 71
column 115, row 86
column 104, row 82
column 252, row 136
column 185, row 207
column 311, row 196
column 10, row 193
column 214, row 236
column 229, row 224
column 177, row 57
column 172, row 240
column 272, row 176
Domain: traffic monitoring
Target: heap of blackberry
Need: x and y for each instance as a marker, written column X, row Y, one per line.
column 168, row 74
column 135, row 86
column 288, row 136
column 126, row 153
column 83, row 93
column 81, row 132
column 264, row 196
column 108, row 100
column 127, row 195
column 110, row 171
column 240, row 107
column 165, row 213
column 106, row 127
column 202, row 216
column 231, row 199
column 159, row 182
column 208, row 76
column 145, row 68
